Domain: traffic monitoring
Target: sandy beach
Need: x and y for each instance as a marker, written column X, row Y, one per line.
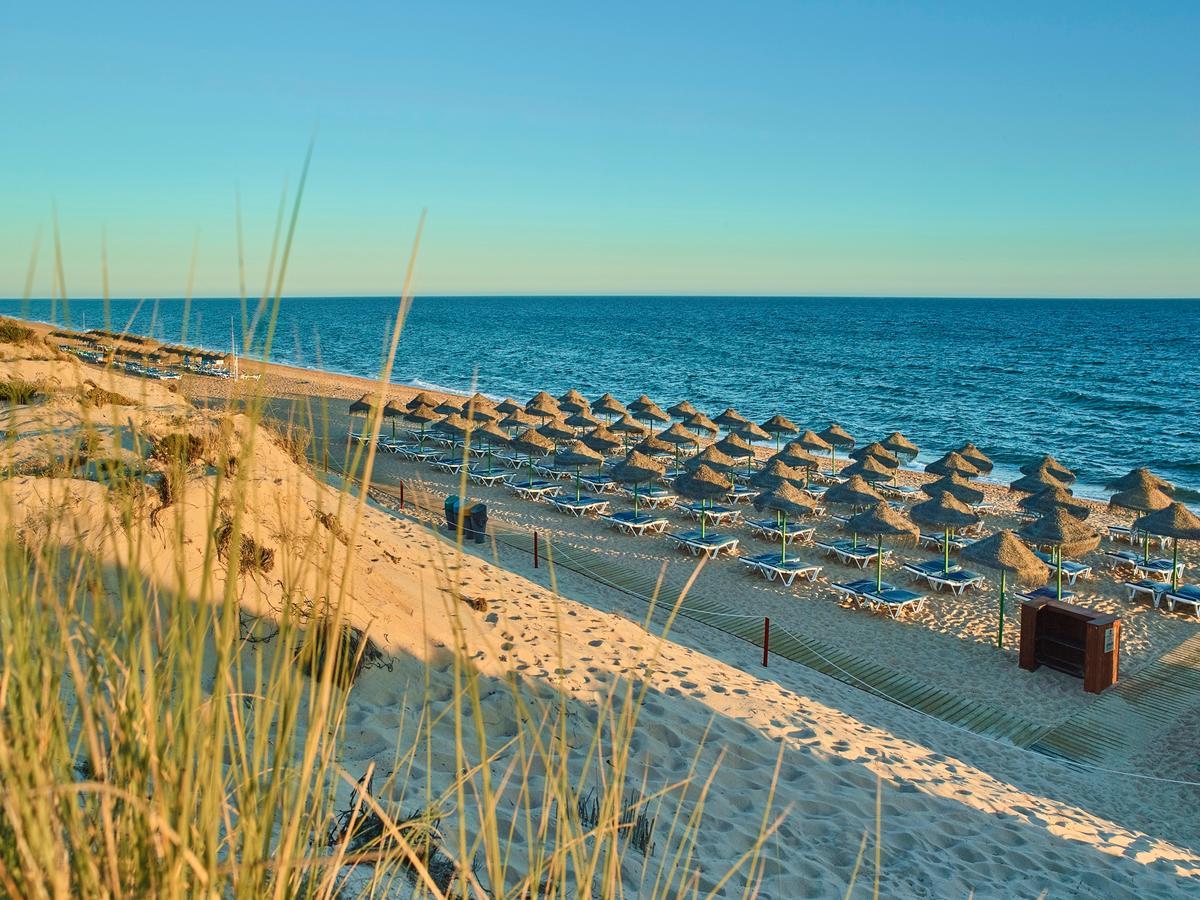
column 783, row 748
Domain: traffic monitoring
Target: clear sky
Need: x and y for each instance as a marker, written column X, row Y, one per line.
column 958, row 148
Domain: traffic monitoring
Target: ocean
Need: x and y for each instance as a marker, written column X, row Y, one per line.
column 1103, row 385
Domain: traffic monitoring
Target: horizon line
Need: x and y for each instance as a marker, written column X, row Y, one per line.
column 619, row 295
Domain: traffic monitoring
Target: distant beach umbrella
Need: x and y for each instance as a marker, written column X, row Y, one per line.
column 835, row 436
column 953, row 463
column 1140, row 477
column 1143, row 497
column 422, row 414
column 448, row 408
column 364, row 405
column 582, row 419
column 577, row 454
column 955, row 485
column 881, row 521
column 714, row 459
column 779, row 426
column 421, row 399
column 752, row 432
column 544, row 409
column 392, row 410
column 678, row 436
column 508, row 405
column 869, row 468
column 731, row 419
column 900, row 445
column 1055, row 498
column 557, row 431
column 608, row 406
column 703, row 483
column 1037, row 481
column 701, row 422
column 626, row 425
column 854, row 492
column 573, row 401
column 775, row 473
column 636, row 469
column 798, row 458
column 531, row 444
column 652, row 446
column 650, row 412
column 879, row 452
column 455, row 424
column 601, row 439
column 1176, row 522
column 1064, row 533
column 481, row 401
column 480, row 409
column 975, row 457
column 518, row 418
column 682, row 410
column 738, row 447
column 542, row 398
column 640, row 403
column 785, row 501
column 492, row 436
column 1005, row 553
column 1048, row 462
column 945, row 513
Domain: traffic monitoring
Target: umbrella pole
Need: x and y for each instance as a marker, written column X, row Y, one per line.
column 946, row 545
column 783, row 552
column 635, row 498
column 879, row 565
column 1000, row 630
column 1146, row 547
column 577, row 492
column 1175, row 565
column 1060, row 572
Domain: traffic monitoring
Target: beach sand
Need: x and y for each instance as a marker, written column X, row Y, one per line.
column 960, row 813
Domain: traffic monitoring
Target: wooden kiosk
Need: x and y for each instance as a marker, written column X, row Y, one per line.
column 1071, row 639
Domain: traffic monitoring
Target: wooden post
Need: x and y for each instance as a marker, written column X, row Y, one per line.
column 535, row 549
column 766, row 639
column 402, row 495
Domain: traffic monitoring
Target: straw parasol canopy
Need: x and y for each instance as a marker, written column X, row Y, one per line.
column 953, row 463
column 869, row 468
column 813, row 442
column 608, row 405
column 543, row 409
column 601, row 439
column 572, row 401
column 752, row 432
column 651, row 446
column 454, row 424
column 882, row 521
column 731, row 419
column 1139, row 477
column 714, row 459
column 733, row 444
column 677, row 434
column 393, row 410
column 508, row 405
column 1065, row 533
column 421, row 399
column 1005, row 553
column 518, row 418
column 422, row 414
column 635, row 469
column 481, row 400
column 577, row 454
column 955, row 485
column 493, row 436
column 785, row 501
column 877, row 450
column 364, row 405
column 542, row 398
column 778, row 425
column 531, row 444
column 1055, row 498
column 900, row 445
column 945, row 513
column 975, row 457
column 640, row 403
column 852, row 492
column 682, row 410
column 838, row 436
column 703, row 483
column 795, row 455
column 556, row 430
column 1037, row 481
column 1143, row 498
column 1175, row 521
column 1061, row 472
column 650, row 412
column 701, row 422
column 776, row 473
column 627, row 425
column 582, row 419
column 482, row 413
column 448, row 408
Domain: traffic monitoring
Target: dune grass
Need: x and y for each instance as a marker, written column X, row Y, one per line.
column 155, row 742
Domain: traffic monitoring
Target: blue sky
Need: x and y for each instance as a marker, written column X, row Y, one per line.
column 1021, row 149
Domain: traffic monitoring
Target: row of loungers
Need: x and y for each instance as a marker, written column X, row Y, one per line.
column 1186, row 596
column 884, row 597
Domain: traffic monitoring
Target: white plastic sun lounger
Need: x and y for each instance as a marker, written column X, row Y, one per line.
column 1187, row 595
column 769, row 529
column 741, row 494
column 452, row 464
column 771, row 567
column 1070, row 570
column 893, row 602
column 934, row 574
column 489, row 477
column 710, row 545
column 534, row 490
column 579, row 506
column 654, row 497
column 1130, row 536
column 639, row 523
column 861, row 556
column 720, row 515
column 1147, row 587
column 1045, row 593
column 598, row 484
column 856, row 591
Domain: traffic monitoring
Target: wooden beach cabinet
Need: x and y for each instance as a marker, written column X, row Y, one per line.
column 1072, row 639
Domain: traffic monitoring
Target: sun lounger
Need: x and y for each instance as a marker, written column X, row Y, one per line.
column 709, row 545
column 579, row 506
column 1070, row 570
column 420, row 454
column 1148, row 587
column 654, row 497
column 489, row 477
column 816, row 491
column 1186, row 595
column 1129, row 535
column 721, row 515
column 772, row 566
column 897, row 490
column 1156, row 567
column 846, row 552
column 769, row 529
column 535, row 489
column 629, row 522
column 935, row 540
column 598, row 484
column 856, row 591
column 893, row 602
column 1045, row 593
column 933, row 572
column 452, row 464
column 741, row 494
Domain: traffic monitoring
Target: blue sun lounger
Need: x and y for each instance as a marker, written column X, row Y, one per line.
column 893, row 602
column 721, row 515
column 934, row 573
column 534, row 489
column 636, row 523
column 1149, row 587
column 710, row 545
column 772, row 566
column 598, row 484
column 579, row 506
column 489, row 477
column 1185, row 595
column 847, row 553
column 1046, row 593
column 1071, row 570
column 769, row 530
column 856, row 591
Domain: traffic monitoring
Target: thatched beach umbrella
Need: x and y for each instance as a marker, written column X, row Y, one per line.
column 572, row 402
column 835, row 436
column 543, row 409
column 713, row 457
column 738, row 447
column 531, row 444
column 649, row 413
column 900, row 445
column 975, row 457
column 542, row 398
column 779, row 426
column 882, row 521
column 701, row 422
column 492, row 436
column 731, row 419
column 953, row 463
column 682, row 410
column 640, row 403
column 626, row 426
column 602, row 440
column 751, row 432
column 946, row 513
column 678, row 436
column 557, row 431
column 703, row 483
column 508, row 405
column 1142, row 497
column 1005, row 553
column 813, row 442
column 775, row 473
column 956, row 486
column 518, row 418
column 577, row 454
column 869, row 468
column 1064, row 533
column 1052, row 498
column 392, row 410
column 853, row 493
column 786, row 501
column 421, row 399
column 581, row 419
column 652, row 446
column 635, row 469
column 1037, row 481
column 457, row 425
column 421, row 414
column 878, row 451
column 364, row 406
column 1046, row 461
column 1138, row 477
column 1176, row 522
column 448, row 408
column 608, row 406
column 797, row 457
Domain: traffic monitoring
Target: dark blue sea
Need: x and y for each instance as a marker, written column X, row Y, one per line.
column 1102, row 385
